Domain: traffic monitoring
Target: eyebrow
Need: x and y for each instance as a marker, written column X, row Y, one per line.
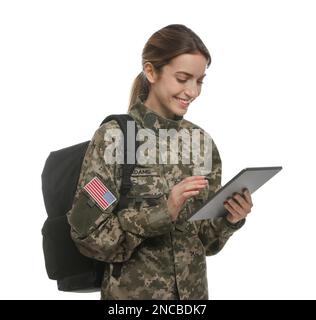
column 189, row 74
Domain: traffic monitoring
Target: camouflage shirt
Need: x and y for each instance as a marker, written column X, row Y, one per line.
column 157, row 258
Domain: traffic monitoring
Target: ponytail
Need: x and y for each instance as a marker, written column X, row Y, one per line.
column 140, row 87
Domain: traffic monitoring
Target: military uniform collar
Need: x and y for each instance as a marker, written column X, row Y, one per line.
column 150, row 119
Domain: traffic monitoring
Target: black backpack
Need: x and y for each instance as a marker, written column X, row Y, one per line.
column 64, row 263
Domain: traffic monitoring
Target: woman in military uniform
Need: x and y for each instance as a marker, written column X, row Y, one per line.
column 152, row 250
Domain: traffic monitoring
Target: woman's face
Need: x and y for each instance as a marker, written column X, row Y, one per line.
column 179, row 83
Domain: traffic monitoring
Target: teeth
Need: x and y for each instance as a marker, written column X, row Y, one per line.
column 182, row 99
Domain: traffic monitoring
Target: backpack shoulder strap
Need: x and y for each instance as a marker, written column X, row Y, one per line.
column 129, row 129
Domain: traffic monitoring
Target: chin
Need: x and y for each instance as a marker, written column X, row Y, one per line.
column 178, row 110
column 181, row 112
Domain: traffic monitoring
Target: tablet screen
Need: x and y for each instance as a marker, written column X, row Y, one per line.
column 250, row 178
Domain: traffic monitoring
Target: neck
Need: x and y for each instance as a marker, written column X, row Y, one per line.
column 152, row 104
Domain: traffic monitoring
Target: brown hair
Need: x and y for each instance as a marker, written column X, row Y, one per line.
column 164, row 45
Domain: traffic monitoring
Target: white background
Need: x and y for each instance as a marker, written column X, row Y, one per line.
column 65, row 65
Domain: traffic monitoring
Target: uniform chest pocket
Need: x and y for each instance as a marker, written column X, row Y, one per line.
column 147, row 186
column 146, row 181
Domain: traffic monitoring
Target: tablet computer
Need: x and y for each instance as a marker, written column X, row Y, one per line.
column 250, row 178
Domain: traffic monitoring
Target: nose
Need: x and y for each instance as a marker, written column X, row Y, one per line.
column 192, row 91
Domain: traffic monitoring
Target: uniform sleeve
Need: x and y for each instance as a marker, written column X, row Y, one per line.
column 97, row 230
column 214, row 233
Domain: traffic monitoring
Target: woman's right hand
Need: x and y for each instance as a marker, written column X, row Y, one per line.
column 182, row 191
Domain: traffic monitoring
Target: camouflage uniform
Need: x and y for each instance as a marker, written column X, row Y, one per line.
column 156, row 258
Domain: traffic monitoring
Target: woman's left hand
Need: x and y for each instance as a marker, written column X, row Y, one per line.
column 239, row 206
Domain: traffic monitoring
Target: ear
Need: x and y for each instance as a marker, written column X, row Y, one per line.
column 150, row 72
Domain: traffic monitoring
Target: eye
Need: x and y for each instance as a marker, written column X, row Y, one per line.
column 183, row 81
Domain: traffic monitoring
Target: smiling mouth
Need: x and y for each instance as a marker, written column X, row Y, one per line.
column 183, row 102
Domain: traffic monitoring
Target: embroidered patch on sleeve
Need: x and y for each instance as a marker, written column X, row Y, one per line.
column 100, row 193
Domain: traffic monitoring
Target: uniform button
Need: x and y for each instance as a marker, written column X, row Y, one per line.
column 192, row 252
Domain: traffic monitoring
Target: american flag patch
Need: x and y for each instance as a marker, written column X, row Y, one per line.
column 99, row 193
